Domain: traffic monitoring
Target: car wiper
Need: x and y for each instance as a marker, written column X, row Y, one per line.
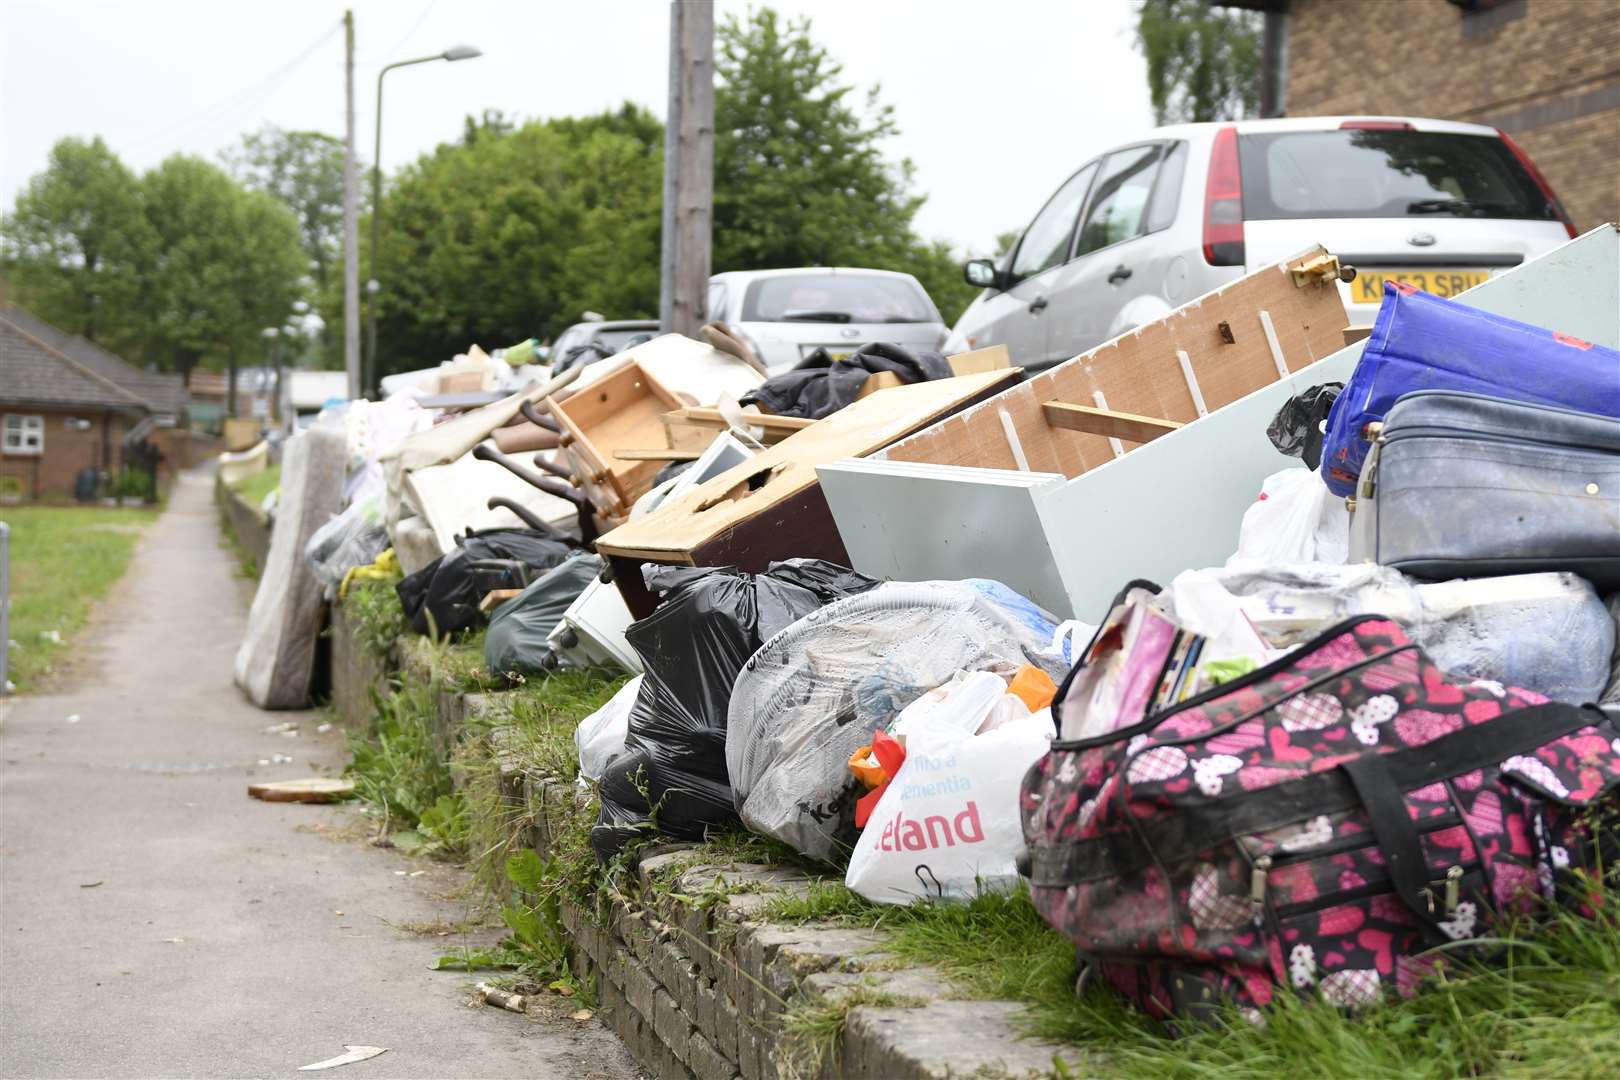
column 1460, row 207
column 813, row 315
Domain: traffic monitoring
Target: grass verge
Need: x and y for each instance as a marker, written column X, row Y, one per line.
column 254, row 488
column 1550, row 1006
column 63, row 559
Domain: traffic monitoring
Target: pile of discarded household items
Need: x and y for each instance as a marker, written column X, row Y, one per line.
column 920, row 639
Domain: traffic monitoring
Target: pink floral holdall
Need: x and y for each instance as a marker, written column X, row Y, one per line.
column 1322, row 823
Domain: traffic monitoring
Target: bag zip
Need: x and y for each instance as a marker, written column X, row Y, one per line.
column 1452, row 893
column 1462, row 434
column 1361, row 840
column 1124, row 734
column 1291, row 695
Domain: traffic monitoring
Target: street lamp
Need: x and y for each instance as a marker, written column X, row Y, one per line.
column 454, row 53
column 274, row 334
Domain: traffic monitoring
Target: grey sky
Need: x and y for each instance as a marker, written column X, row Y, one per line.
column 997, row 102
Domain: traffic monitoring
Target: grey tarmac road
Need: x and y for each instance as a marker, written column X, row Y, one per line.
column 214, row 944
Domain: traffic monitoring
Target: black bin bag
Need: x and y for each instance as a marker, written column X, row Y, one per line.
column 443, row 596
column 672, row 776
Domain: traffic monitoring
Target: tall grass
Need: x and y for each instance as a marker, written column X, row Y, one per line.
column 1549, row 1006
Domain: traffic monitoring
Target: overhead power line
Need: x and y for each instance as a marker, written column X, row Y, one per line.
column 241, row 100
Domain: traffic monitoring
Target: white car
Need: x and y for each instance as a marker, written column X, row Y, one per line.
column 785, row 315
column 1144, row 228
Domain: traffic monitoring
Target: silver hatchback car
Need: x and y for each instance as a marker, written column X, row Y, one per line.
column 785, row 315
column 1147, row 227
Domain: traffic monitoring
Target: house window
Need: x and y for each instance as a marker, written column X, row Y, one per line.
column 23, row 434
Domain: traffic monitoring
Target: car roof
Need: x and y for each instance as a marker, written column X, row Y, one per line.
column 1317, row 123
column 852, row 271
column 620, row 324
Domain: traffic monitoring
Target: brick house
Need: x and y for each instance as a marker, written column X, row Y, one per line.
column 58, row 416
column 1547, row 72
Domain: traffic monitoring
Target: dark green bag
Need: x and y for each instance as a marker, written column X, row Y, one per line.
column 518, row 628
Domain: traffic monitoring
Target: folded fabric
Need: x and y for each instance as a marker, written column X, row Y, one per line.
column 820, row 385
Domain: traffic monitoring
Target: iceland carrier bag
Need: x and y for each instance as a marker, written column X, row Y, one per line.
column 1321, row 823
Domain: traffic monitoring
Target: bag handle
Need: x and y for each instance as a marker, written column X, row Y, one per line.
column 1397, row 838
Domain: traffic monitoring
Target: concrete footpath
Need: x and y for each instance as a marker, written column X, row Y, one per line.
column 155, row 921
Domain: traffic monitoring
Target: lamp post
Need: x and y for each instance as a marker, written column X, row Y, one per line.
column 273, row 334
column 454, row 53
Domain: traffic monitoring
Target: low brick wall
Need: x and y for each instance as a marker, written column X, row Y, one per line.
column 249, row 524
column 357, row 673
column 698, row 983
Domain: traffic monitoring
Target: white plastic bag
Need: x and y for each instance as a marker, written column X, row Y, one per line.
column 959, row 706
column 1295, row 520
column 600, row 736
column 948, row 826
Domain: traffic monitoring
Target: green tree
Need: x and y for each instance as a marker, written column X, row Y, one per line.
column 513, row 233
column 1202, row 63
column 800, row 174
column 304, row 170
column 75, row 243
column 229, row 263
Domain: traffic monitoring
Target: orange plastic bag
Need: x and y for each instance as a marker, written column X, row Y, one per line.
column 1033, row 687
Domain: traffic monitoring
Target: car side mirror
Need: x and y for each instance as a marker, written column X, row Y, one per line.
column 981, row 273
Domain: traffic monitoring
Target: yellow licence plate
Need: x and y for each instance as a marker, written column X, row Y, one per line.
column 1368, row 287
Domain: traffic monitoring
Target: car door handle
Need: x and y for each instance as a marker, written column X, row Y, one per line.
column 1038, row 306
column 1121, row 272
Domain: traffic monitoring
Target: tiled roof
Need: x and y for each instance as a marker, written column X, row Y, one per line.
column 165, row 394
column 33, row 373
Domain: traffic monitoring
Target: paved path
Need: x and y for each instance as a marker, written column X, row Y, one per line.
column 226, row 936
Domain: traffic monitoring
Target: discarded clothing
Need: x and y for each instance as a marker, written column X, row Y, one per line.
column 581, row 355
column 820, row 385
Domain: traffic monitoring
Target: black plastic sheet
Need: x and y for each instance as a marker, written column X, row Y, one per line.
column 820, row 385
column 1296, row 430
column 443, row 596
column 672, row 777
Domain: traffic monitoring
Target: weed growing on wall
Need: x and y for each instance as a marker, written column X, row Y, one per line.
column 374, row 608
column 399, row 772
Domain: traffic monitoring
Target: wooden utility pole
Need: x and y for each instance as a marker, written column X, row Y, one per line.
column 351, row 222
column 688, row 168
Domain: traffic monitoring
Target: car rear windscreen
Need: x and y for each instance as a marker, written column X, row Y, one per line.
column 620, row 340
column 855, row 298
column 1356, row 172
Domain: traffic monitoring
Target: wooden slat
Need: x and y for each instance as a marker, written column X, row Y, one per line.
column 711, row 417
column 658, row 455
column 495, row 598
column 1106, row 422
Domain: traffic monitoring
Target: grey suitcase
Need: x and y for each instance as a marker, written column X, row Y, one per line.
column 1466, row 485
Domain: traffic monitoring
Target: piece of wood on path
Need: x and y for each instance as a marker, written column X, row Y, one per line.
column 310, row 789
column 355, row 1053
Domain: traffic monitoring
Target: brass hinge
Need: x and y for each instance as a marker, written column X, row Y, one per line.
column 1320, row 270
